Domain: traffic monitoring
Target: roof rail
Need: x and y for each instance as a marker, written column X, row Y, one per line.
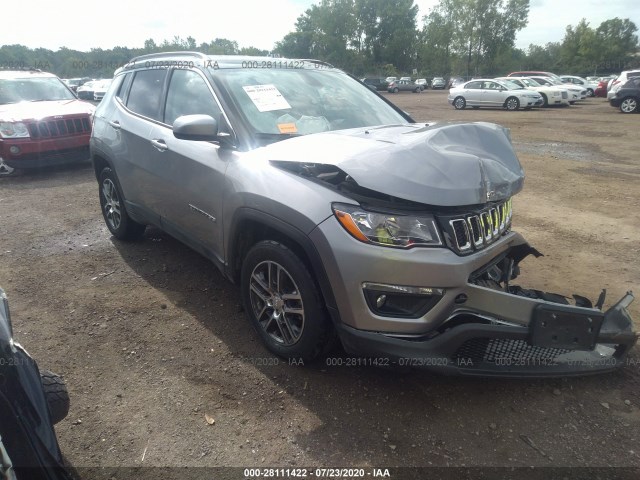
column 148, row 56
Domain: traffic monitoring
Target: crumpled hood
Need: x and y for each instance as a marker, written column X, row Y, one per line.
column 449, row 164
column 25, row 111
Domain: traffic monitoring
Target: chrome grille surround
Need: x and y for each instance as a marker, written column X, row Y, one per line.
column 477, row 230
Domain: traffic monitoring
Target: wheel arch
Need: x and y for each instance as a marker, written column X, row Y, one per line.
column 250, row 226
column 100, row 162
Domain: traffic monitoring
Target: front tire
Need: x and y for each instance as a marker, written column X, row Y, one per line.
column 545, row 100
column 459, row 103
column 629, row 105
column 6, row 170
column 283, row 302
column 395, row 90
column 55, row 391
column 113, row 209
column 512, row 104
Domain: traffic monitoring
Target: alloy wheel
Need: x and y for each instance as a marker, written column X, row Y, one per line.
column 111, row 205
column 276, row 302
column 5, row 170
column 629, row 105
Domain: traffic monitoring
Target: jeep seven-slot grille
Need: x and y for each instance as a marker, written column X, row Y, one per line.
column 476, row 230
column 59, row 128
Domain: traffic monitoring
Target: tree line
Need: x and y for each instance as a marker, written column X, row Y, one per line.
column 383, row 37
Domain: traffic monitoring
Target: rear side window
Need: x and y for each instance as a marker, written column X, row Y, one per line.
column 145, row 95
column 189, row 94
column 474, row 85
column 121, row 94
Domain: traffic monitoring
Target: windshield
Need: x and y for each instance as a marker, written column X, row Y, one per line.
column 40, row 89
column 103, row 84
column 555, row 81
column 530, row 82
column 303, row 101
column 511, row 85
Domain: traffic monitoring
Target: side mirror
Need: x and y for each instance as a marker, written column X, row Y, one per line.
column 196, row 127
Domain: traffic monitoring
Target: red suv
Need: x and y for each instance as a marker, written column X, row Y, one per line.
column 42, row 122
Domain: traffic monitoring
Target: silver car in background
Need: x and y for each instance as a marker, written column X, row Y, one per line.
column 486, row 92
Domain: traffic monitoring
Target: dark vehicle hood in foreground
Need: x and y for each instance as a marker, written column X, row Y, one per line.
column 449, row 164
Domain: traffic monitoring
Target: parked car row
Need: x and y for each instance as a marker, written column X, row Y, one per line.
column 522, row 89
column 423, row 83
column 487, row 92
column 94, row 90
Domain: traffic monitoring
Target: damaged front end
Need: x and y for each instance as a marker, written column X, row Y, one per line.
column 532, row 332
column 422, row 258
column 497, row 328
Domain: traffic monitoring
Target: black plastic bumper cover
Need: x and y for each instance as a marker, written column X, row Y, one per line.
column 501, row 350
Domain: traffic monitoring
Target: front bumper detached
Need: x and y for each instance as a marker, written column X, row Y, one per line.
column 560, row 340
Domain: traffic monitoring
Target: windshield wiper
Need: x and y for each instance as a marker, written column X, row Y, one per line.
column 274, row 137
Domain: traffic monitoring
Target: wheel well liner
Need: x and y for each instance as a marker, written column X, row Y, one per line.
column 250, row 226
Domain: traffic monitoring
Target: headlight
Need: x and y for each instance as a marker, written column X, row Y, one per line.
column 13, row 130
column 388, row 229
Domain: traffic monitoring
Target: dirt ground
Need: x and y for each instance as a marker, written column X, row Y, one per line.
column 150, row 337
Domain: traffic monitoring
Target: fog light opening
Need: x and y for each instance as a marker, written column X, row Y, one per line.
column 400, row 301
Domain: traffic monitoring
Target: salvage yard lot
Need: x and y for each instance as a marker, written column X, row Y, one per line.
column 150, row 337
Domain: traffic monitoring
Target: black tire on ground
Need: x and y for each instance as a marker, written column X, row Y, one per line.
column 545, row 100
column 590, row 92
column 55, row 391
column 459, row 103
column 512, row 104
column 395, row 90
column 6, row 170
column 629, row 105
column 113, row 208
column 284, row 303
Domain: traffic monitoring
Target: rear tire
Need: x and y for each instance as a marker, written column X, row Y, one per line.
column 55, row 391
column 113, row 208
column 629, row 105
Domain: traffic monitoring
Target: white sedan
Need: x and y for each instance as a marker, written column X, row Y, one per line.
column 487, row 92
column 575, row 92
column 581, row 82
column 100, row 88
column 550, row 95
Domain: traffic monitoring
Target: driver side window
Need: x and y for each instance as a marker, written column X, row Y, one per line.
column 189, row 94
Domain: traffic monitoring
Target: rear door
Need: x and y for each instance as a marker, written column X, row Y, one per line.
column 138, row 112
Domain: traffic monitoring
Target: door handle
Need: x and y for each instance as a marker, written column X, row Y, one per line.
column 160, row 145
column 115, row 124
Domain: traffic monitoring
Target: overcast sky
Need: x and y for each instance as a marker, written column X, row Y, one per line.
column 260, row 23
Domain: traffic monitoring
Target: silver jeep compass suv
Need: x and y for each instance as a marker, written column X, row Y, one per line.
column 337, row 214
